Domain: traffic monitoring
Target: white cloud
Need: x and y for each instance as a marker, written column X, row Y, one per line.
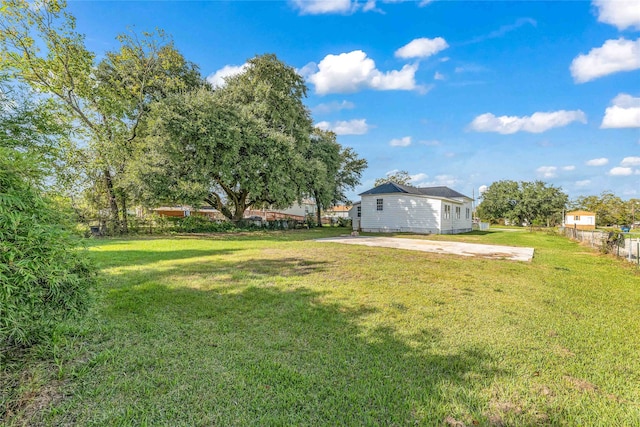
column 350, row 127
column 630, row 161
column 352, row 71
column 547, row 171
column 614, row 56
column 318, row 7
column 308, row 70
column 482, row 189
column 568, row 168
column 422, row 48
column 422, row 180
column 536, row 123
column 623, row 113
column 504, row 30
column 418, row 178
column 331, row 107
column 448, row 180
column 217, row 79
column 400, row 142
column 597, row 162
column 583, row 183
column 620, row 13
column 621, row 171
column 438, row 76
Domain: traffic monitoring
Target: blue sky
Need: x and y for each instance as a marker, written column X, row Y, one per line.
column 456, row 93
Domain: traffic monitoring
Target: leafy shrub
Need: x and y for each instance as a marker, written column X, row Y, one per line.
column 44, row 278
column 614, row 240
column 344, row 222
column 201, row 224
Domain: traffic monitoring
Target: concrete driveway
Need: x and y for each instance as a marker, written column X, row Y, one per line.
column 455, row 248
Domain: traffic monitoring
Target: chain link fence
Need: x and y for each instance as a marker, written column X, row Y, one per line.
column 620, row 244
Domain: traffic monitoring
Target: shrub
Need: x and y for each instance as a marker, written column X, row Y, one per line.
column 344, row 222
column 44, row 277
column 201, row 224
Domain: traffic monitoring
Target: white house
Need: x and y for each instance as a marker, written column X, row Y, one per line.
column 393, row 207
column 582, row 220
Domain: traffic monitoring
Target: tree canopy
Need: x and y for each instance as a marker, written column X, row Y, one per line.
column 333, row 170
column 522, row 202
column 399, row 177
column 250, row 143
column 142, row 126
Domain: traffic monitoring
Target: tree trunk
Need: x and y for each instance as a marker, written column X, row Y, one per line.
column 113, row 203
column 125, row 222
column 318, row 209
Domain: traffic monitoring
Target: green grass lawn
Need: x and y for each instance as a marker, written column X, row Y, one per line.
column 275, row 329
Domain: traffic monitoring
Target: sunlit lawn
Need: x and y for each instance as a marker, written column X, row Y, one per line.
column 275, row 329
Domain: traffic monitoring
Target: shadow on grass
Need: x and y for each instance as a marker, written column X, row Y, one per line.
column 212, row 272
column 125, row 257
column 265, row 356
column 294, row 235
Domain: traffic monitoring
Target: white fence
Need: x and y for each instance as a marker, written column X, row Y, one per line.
column 627, row 247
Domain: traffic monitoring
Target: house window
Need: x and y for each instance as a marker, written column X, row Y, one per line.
column 359, row 211
column 379, row 204
column 447, row 211
column 468, row 212
column 576, row 218
column 458, row 212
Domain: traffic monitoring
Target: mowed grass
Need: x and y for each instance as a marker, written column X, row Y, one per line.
column 275, row 329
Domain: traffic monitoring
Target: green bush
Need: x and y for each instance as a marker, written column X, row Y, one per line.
column 44, row 277
column 201, row 224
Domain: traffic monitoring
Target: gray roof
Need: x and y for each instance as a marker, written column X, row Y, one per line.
column 392, row 187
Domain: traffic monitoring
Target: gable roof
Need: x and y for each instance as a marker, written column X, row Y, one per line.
column 392, row 187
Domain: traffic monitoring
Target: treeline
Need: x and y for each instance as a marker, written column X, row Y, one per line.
column 141, row 126
column 609, row 209
column 538, row 203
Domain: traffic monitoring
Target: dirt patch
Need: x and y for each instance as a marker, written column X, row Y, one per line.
column 26, row 407
column 452, row 422
column 580, row 384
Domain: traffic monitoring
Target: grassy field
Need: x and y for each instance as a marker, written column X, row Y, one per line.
column 275, row 329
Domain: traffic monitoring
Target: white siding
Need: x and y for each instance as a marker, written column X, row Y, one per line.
column 401, row 212
column 413, row 213
column 453, row 224
column 299, row 210
column 583, row 220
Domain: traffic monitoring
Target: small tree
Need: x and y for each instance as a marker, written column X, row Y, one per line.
column 399, row 177
column 333, row 170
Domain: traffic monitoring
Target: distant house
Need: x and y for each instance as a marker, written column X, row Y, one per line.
column 337, row 212
column 581, row 220
column 183, row 211
column 296, row 211
column 392, row 207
